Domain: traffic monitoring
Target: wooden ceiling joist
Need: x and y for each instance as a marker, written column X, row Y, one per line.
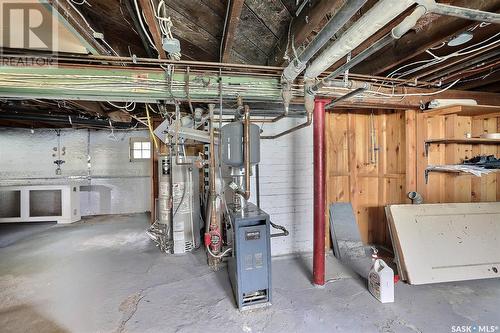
column 154, row 28
column 233, row 19
column 129, row 4
column 483, row 80
column 413, row 44
column 93, row 108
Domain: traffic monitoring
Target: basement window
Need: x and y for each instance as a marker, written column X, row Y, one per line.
column 140, row 149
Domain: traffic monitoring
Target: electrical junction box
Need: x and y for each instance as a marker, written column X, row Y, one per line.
column 250, row 263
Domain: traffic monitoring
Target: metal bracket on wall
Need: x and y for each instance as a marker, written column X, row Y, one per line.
column 426, row 148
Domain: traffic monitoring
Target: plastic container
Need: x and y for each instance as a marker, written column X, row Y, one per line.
column 381, row 281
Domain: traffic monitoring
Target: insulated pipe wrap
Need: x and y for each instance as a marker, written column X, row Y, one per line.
column 409, row 22
column 376, row 18
column 333, row 26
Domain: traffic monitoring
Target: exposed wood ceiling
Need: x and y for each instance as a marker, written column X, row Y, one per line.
column 262, row 32
column 267, row 32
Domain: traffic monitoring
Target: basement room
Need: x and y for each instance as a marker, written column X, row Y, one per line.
column 254, row 166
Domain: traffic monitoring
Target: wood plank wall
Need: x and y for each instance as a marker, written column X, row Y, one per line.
column 354, row 175
column 451, row 187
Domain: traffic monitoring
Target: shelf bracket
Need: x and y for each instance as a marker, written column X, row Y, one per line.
column 426, row 148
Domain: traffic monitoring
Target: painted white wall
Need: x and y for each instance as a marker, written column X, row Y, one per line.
column 115, row 186
column 286, row 185
column 120, row 186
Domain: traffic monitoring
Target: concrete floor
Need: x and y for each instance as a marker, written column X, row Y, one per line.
column 104, row 275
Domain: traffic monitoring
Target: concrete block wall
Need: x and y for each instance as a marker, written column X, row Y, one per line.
column 115, row 186
column 286, row 185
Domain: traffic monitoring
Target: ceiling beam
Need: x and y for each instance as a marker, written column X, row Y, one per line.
column 137, row 26
column 93, row 108
column 302, row 26
column 415, row 43
column 233, row 20
column 154, row 28
column 126, row 84
column 483, row 80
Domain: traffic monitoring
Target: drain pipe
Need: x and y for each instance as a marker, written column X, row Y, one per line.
column 416, row 198
column 319, row 192
column 378, row 16
column 397, row 32
column 333, row 26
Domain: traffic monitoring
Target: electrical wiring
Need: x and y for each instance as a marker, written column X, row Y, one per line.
column 477, row 68
column 482, row 77
column 220, row 255
column 436, row 59
column 166, row 25
column 153, row 137
column 82, row 2
column 228, row 6
column 71, row 3
column 141, row 23
column 126, row 107
column 421, row 94
column 125, row 85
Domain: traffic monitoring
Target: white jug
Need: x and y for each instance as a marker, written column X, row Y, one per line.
column 381, row 281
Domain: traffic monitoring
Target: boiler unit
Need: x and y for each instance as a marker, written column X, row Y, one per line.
column 250, row 264
column 247, row 226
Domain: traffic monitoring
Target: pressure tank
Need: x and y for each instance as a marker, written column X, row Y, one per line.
column 232, row 144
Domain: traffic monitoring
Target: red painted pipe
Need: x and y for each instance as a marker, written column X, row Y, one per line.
column 319, row 192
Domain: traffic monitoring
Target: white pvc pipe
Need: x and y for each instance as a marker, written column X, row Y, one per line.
column 376, row 18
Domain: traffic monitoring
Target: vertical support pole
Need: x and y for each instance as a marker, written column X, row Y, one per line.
column 319, row 192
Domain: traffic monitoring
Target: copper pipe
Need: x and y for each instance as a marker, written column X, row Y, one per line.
column 212, row 149
column 257, row 120
column 309, row 105
column 293, row 129
column 213, row 220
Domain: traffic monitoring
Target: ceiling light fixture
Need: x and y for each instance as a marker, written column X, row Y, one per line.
column 460, row 39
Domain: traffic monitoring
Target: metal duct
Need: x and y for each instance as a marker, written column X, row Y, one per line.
column 376, row 18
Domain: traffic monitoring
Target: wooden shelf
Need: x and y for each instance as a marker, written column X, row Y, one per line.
column 466, row 110
column 457, row 172
column 467, row 141
column 483, row 141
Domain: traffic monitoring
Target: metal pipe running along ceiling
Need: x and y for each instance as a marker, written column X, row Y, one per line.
column 150, row 85
column 383, row 12
column 377, row 17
